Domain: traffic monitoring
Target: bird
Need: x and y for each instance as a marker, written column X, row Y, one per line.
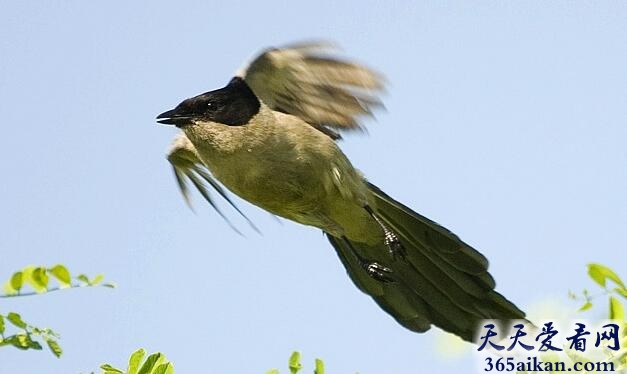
column 270, row 136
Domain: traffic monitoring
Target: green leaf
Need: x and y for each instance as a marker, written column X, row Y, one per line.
column 585, row 306
column 319, row 367
column 49, row 332
column 621, row 291
column 16, row 281
column 616, row 309
column 273, row 371
column 135, row 360
column 109, row 285
column 150, row 363
column 62, row 274
column 83, row 278
column 54, row 347
column 20, row 341
column 16, row 320
column 108, row 369
column 32, row 344
column 294, row 363
column 166, row 368
column 1, row 324
column 8, row 290
column 40, row 278
column 600, row 274
column 97, row 279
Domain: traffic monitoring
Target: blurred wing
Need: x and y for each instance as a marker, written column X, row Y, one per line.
column 188, row 168
column 323, row 90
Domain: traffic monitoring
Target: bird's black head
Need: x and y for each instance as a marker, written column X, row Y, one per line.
column 233, row 105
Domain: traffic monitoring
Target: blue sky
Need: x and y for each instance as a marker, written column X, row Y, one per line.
column 505, row 122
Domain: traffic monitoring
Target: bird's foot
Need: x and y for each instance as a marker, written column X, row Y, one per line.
column 379, row 272
column 395, row 247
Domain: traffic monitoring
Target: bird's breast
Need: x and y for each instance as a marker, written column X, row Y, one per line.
column 271, row 167
column 285, row 167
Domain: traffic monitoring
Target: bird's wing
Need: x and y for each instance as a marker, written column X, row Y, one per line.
column 188, row 167
column 306, row 81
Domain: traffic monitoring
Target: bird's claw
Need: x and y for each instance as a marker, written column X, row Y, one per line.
column 379, row 272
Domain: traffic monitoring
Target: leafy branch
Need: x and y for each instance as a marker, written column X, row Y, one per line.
column 38, row 279
column 23, row 339
column 295, row 366
column 156, row 363
column 601, row 274
column 613, row 286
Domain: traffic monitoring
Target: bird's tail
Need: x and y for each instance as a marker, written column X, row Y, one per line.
column 438, row 280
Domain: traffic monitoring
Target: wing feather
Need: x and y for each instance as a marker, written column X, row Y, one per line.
column 188, row 167
column 323, row 90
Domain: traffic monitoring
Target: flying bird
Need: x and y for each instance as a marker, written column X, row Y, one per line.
column 270, row 136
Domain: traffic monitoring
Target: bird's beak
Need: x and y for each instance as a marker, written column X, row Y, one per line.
column 173, row 117
column 167, row 118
